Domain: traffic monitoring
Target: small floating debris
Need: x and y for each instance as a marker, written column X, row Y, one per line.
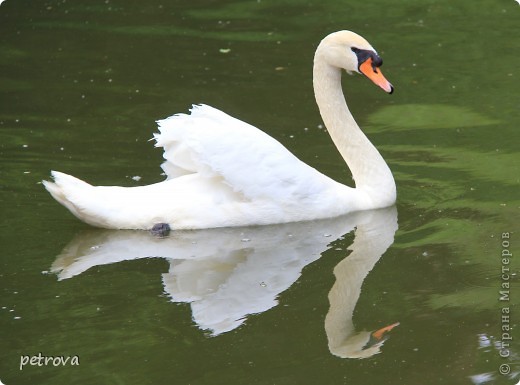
column 484, row 341
column 137, row 178
column 224, row 50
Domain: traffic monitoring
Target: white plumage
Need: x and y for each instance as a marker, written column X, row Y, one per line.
column 224, row 172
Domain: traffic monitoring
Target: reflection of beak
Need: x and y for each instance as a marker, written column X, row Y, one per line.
column 374, row 73
column 379, row 335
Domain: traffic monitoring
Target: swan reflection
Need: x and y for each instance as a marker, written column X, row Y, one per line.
column 226, row 274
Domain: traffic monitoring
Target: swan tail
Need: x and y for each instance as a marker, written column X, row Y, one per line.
column 67, row 189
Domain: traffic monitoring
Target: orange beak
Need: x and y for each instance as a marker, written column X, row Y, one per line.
column 378, row 334
column 374, row 73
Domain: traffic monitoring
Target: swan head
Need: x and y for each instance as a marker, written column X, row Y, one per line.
column 351, row 52
column 363, row 344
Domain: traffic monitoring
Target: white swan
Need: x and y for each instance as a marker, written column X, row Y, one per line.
column 224, row 172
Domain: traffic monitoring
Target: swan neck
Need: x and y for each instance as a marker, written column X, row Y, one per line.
column 370, row 172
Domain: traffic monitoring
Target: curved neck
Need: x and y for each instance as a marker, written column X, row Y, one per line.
column 370, row 172
column 375, row 232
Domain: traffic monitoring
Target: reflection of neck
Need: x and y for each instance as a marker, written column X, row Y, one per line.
column 369, row 170
column 372, row 239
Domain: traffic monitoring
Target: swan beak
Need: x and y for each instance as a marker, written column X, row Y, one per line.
column 374, row 73
column 379, row 334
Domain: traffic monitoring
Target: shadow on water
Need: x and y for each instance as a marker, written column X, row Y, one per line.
column 227, row 274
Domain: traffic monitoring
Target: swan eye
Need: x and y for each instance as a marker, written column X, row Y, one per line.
column 364, row 54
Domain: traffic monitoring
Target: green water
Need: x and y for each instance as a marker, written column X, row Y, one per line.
column 81, row 84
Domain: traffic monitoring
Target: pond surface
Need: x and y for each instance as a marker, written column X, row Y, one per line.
column 81, row 84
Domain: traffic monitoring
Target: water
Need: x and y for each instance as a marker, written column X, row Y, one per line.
column 81, row 84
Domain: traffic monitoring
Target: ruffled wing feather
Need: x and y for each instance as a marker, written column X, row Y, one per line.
column 213, row 144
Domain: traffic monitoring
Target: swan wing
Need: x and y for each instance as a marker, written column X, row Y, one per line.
column 214, row 145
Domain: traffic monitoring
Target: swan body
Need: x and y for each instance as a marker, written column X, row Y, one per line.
column 224, row 172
